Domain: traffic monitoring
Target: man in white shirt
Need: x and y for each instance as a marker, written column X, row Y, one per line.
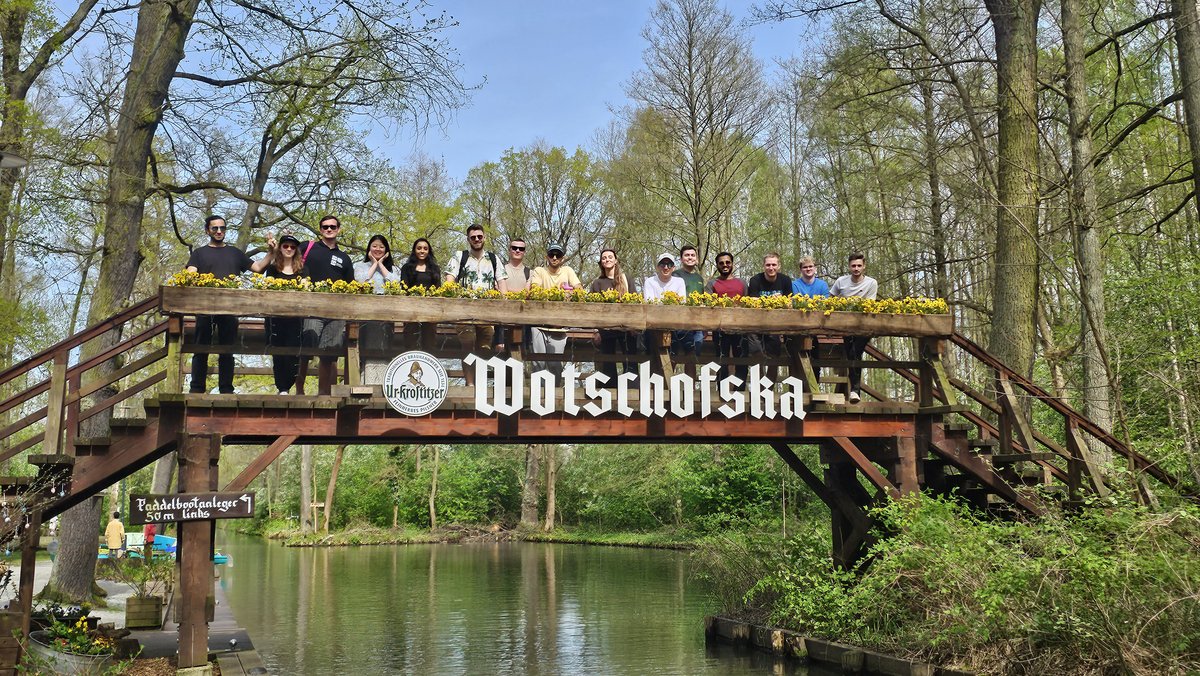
column 553, row 274
column 475, row 269
column 857, row 283
column 654, row 287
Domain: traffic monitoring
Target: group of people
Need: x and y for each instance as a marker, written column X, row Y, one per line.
column 477, row 268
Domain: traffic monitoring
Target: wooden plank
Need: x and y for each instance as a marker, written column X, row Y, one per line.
column 371, row 307
column 865, row 466
column 262, row 462
column 54, row 406
column 30, row 537
column 1012, row 410
column 174, row 354
column 906, row 448
column 25, row 395
column 21, row 447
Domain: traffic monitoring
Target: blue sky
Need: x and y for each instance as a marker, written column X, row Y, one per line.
column 555, row 70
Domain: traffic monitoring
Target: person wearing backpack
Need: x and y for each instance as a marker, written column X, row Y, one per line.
column 477, row 270
column 324, row 261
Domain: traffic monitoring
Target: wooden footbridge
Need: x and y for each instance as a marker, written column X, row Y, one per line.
column 110, row 400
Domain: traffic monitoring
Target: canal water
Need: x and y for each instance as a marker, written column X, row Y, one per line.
column 511, row 608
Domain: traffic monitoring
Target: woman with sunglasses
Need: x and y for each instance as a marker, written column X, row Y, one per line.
column 375, row 338
column 285, row 331
column 609, row 341
column 421, row 269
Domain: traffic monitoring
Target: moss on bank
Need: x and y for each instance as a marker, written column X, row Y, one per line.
column 409, row 535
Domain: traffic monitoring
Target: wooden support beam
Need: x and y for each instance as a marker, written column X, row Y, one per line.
column 1082, row 459
column 1013, row 412
column 175, row 353
column 32, row 530
column 260, row 464
column 866, row 466
column 906, row 465
column 55, row 405
column 198, row 457
column 353, row 374
column 836, row 500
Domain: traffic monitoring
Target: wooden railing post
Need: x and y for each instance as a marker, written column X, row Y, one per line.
column 174, row 354
column 353, row 375
column 74, row 383
column 55, row 405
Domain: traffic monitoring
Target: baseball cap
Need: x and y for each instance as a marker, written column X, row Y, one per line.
column 288, row 238
column 666, row 255
column 555, row 246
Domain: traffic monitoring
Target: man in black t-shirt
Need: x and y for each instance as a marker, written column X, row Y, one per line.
column 220, row 260
column 324, row 261
column 769, row 282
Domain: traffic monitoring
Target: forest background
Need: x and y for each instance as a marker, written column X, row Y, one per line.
column 1030, row 162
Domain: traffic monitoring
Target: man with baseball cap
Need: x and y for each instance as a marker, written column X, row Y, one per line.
column 553, row 274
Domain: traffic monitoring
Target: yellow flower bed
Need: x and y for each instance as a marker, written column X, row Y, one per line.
column 826, row 305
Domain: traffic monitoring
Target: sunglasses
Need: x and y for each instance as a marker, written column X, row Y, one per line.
column 554, row 254
column 666, row 264
column 216, row 228
column 330, row 227
column 517, row 248
column 476, row 238
column 287, row 246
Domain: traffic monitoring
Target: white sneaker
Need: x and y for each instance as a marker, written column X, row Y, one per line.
column 284, row 392
column 854, row 397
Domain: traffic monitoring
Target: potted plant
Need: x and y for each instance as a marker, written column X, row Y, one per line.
column 150, row 579
column 45, row 612
column 71, row 649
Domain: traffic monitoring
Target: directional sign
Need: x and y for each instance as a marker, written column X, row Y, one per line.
column 174, row 507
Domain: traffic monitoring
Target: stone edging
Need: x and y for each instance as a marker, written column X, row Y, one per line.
column 848, row 658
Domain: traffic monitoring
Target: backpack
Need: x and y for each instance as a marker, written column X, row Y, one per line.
column 462, row 263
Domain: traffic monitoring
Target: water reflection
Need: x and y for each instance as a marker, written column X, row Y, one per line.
column 475, row 609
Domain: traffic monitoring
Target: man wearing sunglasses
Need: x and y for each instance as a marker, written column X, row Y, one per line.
column 220, row 260
column 519, row 276
column 324, row 261
column 728, row 345
column 554, row 274
column 479, row 270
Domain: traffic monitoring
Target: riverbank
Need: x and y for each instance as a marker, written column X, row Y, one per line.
column 461, row 534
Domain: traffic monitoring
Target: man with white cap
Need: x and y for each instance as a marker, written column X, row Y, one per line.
column 552, row 274
column 654, row 287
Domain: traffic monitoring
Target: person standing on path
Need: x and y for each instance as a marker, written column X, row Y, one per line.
column 114, row 537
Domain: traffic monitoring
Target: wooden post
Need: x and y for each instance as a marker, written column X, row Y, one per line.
column 174, row 383
column 54, row 406
column 198, row 457
column 29, row 545
column 906, row 465
column 927, row 352
column 353, row 373
column 74, row 383
column 660, row 357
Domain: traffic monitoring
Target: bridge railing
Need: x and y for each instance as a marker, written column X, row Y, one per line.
column 652, row 323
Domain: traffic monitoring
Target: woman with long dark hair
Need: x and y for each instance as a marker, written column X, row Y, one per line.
column 285, row 331
column 612, row 279
column 421, row 269
column 375, row 338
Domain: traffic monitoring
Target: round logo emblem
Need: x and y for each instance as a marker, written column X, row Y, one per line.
column 415, row 383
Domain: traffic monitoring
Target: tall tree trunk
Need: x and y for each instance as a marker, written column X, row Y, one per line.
column 1097, row 396
column 306, row 495
column 529, row 489
column 333, row 475
column 1187, row 42
column 937, row 227
column 433, row 488
column 1015, row 282
column 158, row 41
column 551, row 453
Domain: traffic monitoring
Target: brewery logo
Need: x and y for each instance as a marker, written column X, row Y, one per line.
column 415, row 383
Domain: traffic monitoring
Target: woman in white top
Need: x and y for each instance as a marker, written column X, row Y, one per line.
column 375, row 338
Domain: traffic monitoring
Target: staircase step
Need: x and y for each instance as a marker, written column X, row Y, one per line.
column 92, row 445
column 983, row 443
column 129, row 422
column 958, row 426
column 51, row 460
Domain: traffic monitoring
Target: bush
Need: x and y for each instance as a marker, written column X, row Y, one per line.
column 1113, row 589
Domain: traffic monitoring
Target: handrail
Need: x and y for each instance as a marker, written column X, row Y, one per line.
column 1141, row 462
column 78, row 339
